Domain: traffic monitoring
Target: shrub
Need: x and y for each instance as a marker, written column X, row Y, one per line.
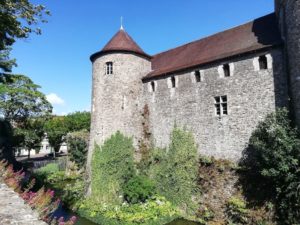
column 112, row 166
column 155, row 211
column 272, row 162
column 48, row 169
column 73, row 192
column 175, row 171
column 78, row 147
column 70, row 188
column 236, row 211
column 138, row 189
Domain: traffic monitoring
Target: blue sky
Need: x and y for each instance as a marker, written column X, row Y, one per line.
column 58, row 60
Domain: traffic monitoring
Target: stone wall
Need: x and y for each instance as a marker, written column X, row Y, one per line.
column 14, row 211
column 251, row 94
column 289, row 17
column 117, row 98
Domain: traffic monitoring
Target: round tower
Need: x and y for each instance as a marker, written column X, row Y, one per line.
column 117, row 89
column 288, row 12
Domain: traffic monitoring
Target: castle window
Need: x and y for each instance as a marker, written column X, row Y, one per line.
column 226, row 69
column 197, row 76
column 152, row 86
column 221, row 105
column 263, row 62
column 173, row 82
column 109, row 68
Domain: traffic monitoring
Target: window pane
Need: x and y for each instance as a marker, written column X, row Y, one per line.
column 153, row 86
column 263, row 62
column 197, row 76
column 224, row 98
column 224, row 106
column 221, row 105
column 226, row 69
column 109, row 68
column 173, row 82
column 218, row 109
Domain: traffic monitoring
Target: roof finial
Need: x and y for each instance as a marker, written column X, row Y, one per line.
column 121, row 28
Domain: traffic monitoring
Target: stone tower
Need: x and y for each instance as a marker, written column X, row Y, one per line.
column 117, row 89
column 288, row 12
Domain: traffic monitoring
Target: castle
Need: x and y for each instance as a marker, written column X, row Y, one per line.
column 218, row 87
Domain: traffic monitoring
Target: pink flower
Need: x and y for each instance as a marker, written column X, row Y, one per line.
column 73, row 219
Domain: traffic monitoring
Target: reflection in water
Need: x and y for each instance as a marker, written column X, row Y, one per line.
column 82, row 221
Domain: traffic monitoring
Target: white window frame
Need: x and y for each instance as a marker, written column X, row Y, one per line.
column 269, row 62
column 150, row 87
column 170, row 83
column 221, row 105
column 109, row 68
column 193, row 75
column 221, row 70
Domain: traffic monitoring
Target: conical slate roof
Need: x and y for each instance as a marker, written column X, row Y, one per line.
column 121, row 41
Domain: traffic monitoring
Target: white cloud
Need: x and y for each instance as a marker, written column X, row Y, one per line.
column 54, row 99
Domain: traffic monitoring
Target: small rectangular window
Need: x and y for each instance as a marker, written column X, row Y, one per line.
column 263, row 62
column 226, row 69
column 221, row 107
column 173, row 82
column 197, row 76
column 153, row 86
column 109, row 68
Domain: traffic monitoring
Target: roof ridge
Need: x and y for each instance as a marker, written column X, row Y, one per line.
column 255, row 35
column 212, row 35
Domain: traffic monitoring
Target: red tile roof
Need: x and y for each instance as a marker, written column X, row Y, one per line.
column 258, row 34
column 121, row 41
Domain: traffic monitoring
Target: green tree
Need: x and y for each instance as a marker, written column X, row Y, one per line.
column 112, row 167
column 58, row 127
column 18, row 19
column 175, row 171
column 78, row 121
column 56, row 130
column 29, row 134
column 6, row 141
column 78, row 147
column 272, row 163
column 21, row 99
column 19, row 96
column 182, row 170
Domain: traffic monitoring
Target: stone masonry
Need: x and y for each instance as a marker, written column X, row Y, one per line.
column 288, row 12
column 262, row 57
column 13, row 210
column 250, row 93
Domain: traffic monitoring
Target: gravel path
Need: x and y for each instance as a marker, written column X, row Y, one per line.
column 14, row 211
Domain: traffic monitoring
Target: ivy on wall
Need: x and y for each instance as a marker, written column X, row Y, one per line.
column 175, row 171
column 112, row 166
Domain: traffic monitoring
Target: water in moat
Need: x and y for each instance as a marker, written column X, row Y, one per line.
column 82, row 221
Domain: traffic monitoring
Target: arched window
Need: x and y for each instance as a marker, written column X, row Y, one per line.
column 197, row 76
column 109, row 68
column 263, row 62
column 152, row 86
column 173, row 82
